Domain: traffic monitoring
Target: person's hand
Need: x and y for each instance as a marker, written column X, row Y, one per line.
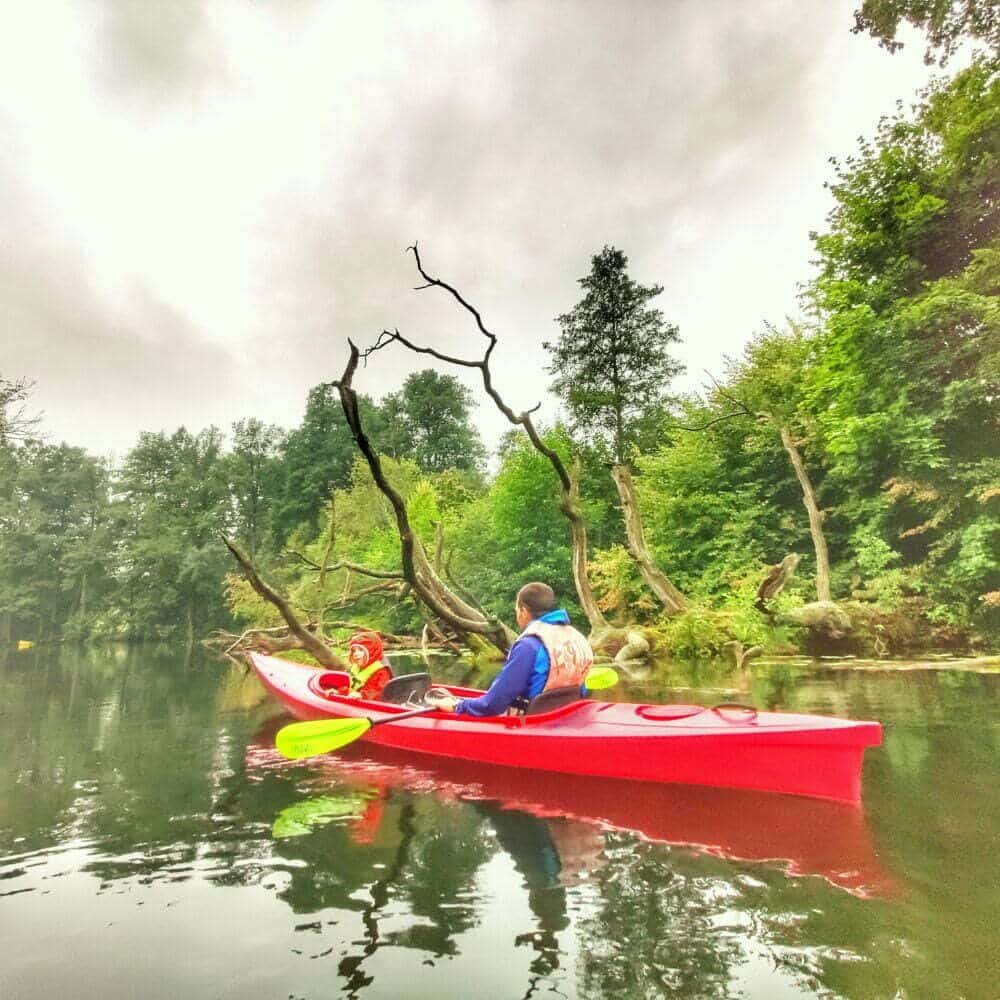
column 442, row 700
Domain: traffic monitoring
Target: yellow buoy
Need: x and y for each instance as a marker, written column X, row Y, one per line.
column 24, row 644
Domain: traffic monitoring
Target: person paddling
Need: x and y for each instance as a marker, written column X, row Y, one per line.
column 549, row 653
column 368, row 673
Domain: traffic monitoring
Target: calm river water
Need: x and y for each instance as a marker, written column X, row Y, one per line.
column 153, row 845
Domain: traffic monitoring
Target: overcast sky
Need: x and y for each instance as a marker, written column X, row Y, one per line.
column 200, row 202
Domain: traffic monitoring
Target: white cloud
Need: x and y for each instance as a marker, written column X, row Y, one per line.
column 241, row 179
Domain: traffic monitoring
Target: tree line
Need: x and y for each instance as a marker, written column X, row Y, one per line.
column 134, row 550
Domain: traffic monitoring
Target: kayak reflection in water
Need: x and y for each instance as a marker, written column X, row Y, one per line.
column 548, row 654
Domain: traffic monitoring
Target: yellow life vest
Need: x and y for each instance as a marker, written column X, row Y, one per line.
column 361, row 677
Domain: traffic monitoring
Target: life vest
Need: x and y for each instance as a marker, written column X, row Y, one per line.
column 366, row 680
column 368, row 674
column 567, row 652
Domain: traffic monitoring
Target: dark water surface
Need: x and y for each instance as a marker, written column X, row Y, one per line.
column 153, row 845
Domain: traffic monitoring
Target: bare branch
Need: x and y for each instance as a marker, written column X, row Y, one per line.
column 380, row 574
column 438, row 546
column 707, row 424
column 310, row 642
column 304, row 559
column 385, row 338
column 348, row 599
column 459, row 589
column 225, row 636
column 437, row 283
column 569, row 502
column 331, row 539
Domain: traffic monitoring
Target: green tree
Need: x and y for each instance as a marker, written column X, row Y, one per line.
column 767, row 383
column 612, row 368
column 174, row 500
column 612, row 362
column 429, row 420
column 905, row 388
column 515, row 533
column 251, row 479
column 315, row 458
column 56, row 547
column 721, row 504
column 947, row 23
column 15, row 424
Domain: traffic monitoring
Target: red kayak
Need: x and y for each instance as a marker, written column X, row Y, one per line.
column 688, row 744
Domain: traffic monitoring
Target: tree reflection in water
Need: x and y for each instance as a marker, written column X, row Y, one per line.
column 143, row 783
column 640, row 923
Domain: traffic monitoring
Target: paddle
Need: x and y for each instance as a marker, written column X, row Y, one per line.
column 600, row 678
column 310, row 739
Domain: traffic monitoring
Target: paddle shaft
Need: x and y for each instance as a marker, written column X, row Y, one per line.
column 402, row 715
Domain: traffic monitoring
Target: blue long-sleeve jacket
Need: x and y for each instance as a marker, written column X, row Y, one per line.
column 523, row 675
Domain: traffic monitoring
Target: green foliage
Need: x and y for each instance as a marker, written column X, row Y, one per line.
column 904, row 389
column 947, row 23
column 611, row 362
column 768, row 378
column 315, row 458
column 428, row 420
column 720, row 504
column 878, row 564
column 431, row 416
column 251, row 471
column 515, row 533
column 701, row 631
column 623, row 596
column 172, row 504
column 56, row 539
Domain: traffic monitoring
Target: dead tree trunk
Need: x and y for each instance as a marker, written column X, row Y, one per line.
column 668, row 595
column 569, row 503
column 816, row 515
column 417, row 569
column 323, row 654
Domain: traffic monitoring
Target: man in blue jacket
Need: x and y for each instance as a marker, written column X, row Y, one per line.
column 549, row 653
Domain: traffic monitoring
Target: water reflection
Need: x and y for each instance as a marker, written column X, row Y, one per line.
column 578, row 850
column 141, row 802
column 803, row 836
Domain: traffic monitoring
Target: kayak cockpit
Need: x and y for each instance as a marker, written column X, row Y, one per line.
column 408, row 690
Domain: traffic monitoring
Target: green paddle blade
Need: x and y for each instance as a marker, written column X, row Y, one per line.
column 600, row 678
column 309, row 739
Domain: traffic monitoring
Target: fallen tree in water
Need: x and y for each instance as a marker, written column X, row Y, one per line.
column 306, row 638
column 296, row 634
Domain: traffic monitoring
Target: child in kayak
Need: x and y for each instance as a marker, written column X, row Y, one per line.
column 368, row 673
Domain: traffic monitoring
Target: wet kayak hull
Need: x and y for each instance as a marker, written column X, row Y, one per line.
column 767, row 751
